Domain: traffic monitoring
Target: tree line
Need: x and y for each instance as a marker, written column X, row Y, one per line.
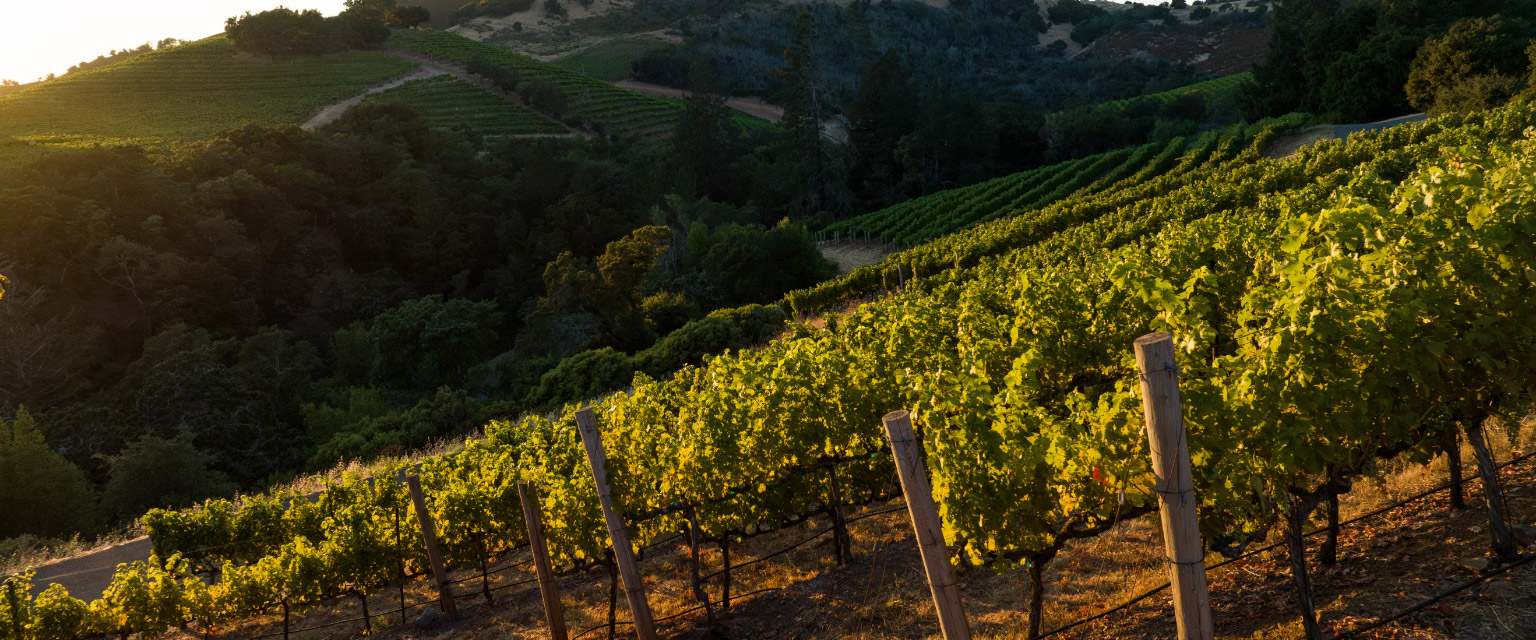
column 1376, row 59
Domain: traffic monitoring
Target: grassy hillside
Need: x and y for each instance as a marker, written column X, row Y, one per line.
column 186, row 93
column 447, row 102
column 610, row 60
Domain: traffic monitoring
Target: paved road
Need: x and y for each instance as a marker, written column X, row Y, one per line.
column 87, row 576
column 1287, row 145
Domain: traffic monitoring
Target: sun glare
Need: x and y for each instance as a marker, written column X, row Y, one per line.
column 39, row 38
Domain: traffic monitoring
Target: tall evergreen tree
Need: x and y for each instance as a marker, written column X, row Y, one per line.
column 803, row 113
column 882, row 113
column 41, row 493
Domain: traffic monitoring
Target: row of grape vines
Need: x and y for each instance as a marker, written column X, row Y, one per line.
column 1353, row 303
column 1215, row 89
column 610, row 60
column 1210, row 159
column 596, row 103
column 187, row 93
column 447, row 102
column 946, row 212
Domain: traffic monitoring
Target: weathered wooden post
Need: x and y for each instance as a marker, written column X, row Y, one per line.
column 925, row 520
column 1174, row 484
column 548, row 588
column 623, row 553
column 429, row 536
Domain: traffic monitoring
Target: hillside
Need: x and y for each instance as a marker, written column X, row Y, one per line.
column 342, row 322
column 1197, row 253
column 186, row 93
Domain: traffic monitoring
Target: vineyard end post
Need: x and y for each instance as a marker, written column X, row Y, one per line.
column 548, row 588
column 1174, row 484
column 925, row 521
column 434, row 557
column 623, row 552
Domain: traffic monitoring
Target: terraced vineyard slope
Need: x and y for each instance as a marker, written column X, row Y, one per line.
column 187, row 93
column 610, row 60
column 586, row 102
column 1009, row 230
column 448, row 102
column 1282, row 279
column 1213, row 89
column 949, row 211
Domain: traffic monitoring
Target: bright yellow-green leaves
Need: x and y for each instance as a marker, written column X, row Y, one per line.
column 1326, row 308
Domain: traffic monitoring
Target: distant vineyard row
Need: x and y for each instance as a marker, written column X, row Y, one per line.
column 446, row 102
column 1017, row 227
column 946, row 212
column 586, row 101
column 187, row 93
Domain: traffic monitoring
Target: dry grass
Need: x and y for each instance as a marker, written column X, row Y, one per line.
column 855, row 254
column 26, row 552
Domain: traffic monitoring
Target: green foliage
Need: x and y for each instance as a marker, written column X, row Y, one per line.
column 1352, row 60
column 283, row 31
column 600, row 304
column 1073, row 12
column 556, row 91
column 1477, row 64
column 494, row 8
column 1089, row 23
column 363, row 430
column 950, row 211
column 610, row 60
column 1296, row 289
column 582, row 376
column 446, row 103
column 186, row 93
column 41, row 493
column 156, row 473
column 750, row 263
column 430, row 342
column 721, row 331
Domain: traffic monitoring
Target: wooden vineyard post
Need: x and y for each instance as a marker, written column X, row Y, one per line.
column 429, row 536
column 623, row 553
column 548, row 588
column 925, row 520
column 1174, row 484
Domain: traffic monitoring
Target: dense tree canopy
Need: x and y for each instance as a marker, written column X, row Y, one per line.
column 1352, row 60
column 1478, row 63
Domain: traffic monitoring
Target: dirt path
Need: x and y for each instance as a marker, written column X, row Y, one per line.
column 331, row 112
column 750, row 106
column 832, row 129
column 428, row 68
